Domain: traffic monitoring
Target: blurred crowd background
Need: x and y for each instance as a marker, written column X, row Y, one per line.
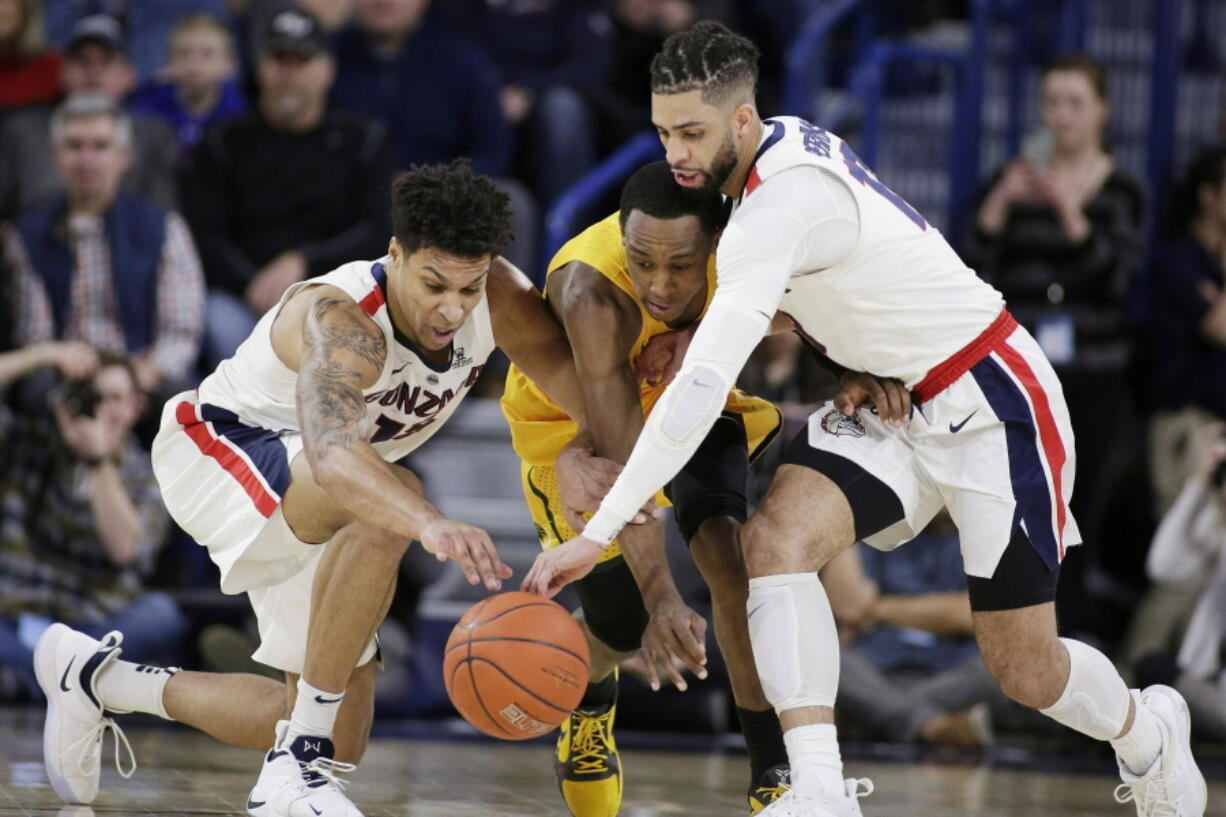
column 169, row 167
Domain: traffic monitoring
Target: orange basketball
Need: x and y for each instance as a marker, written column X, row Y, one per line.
column 516, row 665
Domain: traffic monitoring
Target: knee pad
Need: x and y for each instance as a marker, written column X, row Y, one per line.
column 1095, row 699
column 795, row 643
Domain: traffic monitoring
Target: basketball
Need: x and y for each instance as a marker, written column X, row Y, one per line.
column 516, row 665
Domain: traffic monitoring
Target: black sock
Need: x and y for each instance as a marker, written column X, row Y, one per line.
column 764, row 739
column 600, row 695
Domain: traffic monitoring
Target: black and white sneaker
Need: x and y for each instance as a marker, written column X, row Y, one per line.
column 299, row 779
column 67, row 664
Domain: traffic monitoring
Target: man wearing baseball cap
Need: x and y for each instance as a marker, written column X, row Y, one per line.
column 94, row 60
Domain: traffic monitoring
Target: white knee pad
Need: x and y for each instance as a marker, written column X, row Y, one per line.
column 1095, row 699
column 795, row 643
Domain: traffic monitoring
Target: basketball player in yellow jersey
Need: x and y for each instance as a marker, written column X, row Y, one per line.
column 637, row 274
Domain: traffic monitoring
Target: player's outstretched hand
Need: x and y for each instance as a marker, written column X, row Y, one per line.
column 558, row 567
column 675, row 637
column 886, row 394
column 470, row 547
column 583, row 480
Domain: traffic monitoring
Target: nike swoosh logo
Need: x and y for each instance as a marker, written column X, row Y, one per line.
column 954, row 429
column 64, row 677
column 254, row 804
column 401, row 369
column 319, row 699
column 317, row 811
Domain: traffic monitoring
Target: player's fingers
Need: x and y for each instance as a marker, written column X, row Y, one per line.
column 652, row 658
column 573, row 518
column 485, row 559
column 532, row 581
column 893, row 398
column 692, row 652
column 674, row 674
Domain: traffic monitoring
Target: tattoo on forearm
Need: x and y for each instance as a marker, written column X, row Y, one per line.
column 329, row 396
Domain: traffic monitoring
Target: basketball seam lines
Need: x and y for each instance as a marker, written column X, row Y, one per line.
column 512, row 610
column 557, row 647
column 475, row 659
column 472, row 680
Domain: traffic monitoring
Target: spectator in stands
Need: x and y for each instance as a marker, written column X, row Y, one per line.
column 1059, row 232
column 147, row 24
column 910, row 670
column 549, row 52
column 1186, row 332
column 105, row 266
column 438, row 96
column 29, row 70
column 94, row 61
column 202, row 86
column 1182, row 352
column 287, row 191
column 81, row 519
column 1191, row 542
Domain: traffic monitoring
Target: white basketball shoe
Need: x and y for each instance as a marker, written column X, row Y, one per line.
column 821, row 804
column 1173, row 786
column 299, row 780
column 67, row 664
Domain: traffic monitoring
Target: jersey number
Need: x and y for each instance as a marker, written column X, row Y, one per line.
column 860, row 172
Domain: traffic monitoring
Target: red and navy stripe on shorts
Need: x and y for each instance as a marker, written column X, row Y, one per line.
column 253, row 456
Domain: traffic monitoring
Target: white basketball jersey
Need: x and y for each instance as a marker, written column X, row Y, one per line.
column 409, row 403
column 903, row 302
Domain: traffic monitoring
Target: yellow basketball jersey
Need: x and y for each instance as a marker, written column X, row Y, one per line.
column 540, row 429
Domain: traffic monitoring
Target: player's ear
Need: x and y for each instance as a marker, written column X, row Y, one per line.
column 393, row 248
column 743, row 116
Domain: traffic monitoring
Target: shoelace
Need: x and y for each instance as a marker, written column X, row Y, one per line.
column 322, row 771
column 769, row 794
column 89, row 758
column 1148, row 794
column 590, row 747
column 854, row 789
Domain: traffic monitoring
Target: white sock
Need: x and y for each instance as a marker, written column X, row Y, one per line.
column 314, row 712
column 126, row 687
column 813, row 752
column 1141, row 745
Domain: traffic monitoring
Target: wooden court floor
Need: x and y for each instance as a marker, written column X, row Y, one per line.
column 183, row 773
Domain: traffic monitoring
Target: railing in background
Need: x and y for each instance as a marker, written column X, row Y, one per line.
column 808, row 57
column 562, row 220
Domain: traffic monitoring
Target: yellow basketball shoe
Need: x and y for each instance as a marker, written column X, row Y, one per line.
column 588, row 769
column 773, row 784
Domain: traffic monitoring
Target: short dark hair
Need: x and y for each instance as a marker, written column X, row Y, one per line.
column 450, row 207
column 653, row 191
column 706, row 57
column 1085, row 65
column 1207, row 169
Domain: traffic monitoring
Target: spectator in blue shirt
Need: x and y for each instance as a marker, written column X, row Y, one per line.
column 549, row 52
column 437, row 95
column 202, row 88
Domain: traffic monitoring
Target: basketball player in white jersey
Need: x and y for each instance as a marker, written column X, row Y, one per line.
column 816, row 238
column 282, row 464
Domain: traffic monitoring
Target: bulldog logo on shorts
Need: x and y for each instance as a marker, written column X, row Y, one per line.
column 837, row 423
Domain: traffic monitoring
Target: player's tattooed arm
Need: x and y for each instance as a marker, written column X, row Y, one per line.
column 343, row 352
column 531, row 337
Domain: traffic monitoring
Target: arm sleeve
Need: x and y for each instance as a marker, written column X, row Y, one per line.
column 770, row 238
column 1188, row 538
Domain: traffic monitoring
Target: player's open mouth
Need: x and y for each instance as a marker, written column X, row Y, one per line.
column 688, row 178
column 441, row 337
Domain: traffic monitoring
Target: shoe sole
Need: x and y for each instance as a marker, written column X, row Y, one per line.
column 1184, row 722
column 44, row 670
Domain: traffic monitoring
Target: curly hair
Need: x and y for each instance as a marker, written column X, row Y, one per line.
column 451, row 208
column 653, row 191
column 706, row 57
